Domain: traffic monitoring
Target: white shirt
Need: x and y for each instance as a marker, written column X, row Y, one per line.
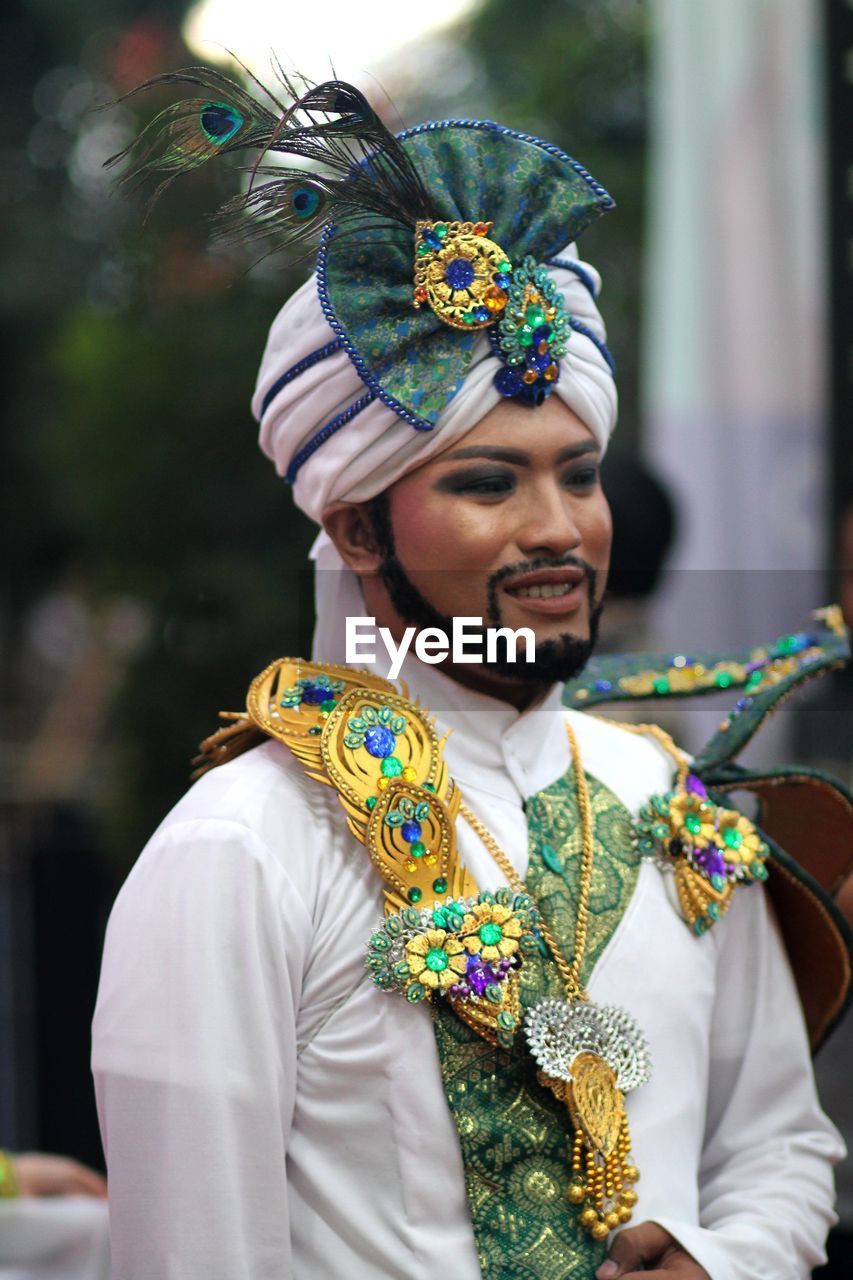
column 268, row 1113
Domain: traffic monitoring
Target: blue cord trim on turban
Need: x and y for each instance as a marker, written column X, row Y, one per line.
column 580, row 327
column 420, row 424
column 325, row 433
column 320, row 354
column 566, row 264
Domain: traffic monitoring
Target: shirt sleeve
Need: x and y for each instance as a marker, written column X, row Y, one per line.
column 765, row 1178
column 194, row 1056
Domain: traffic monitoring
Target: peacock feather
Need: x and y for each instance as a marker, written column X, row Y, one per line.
column 322, row 155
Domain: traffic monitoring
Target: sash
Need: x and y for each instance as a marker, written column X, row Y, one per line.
column 514, row 1134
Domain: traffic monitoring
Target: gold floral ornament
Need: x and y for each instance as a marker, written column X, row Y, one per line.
column 436, row 959
column 492, row 931
column 461, row 274
column 453, row 950
column 711, row 849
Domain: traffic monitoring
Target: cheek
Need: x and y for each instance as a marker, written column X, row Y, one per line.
column 433, row 529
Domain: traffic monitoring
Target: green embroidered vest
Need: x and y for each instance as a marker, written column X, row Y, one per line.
column 515, row 1136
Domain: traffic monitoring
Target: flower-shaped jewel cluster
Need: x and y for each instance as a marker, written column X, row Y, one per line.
column 720, row 845
column 377, row 730
column 531, row 336
column 311, row 691
column 461, row 948
column 408, row 818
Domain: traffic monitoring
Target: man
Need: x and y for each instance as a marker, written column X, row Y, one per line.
column 267, row 1109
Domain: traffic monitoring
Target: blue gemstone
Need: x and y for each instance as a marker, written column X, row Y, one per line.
column 508, row 382
column 314, row 693
column 541, row 334
column 411, row 831
column 538, row 360
column 602, row 686
column 379, row 741
column 482, row 314
column 459, row 273
column 433, row 240
column 503, row 281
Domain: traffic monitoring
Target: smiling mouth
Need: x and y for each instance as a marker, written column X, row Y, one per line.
column 542, row 591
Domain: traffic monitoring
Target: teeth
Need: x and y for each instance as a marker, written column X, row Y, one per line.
column 544, row 591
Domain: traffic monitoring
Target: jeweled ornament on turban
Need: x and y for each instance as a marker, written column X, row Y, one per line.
column 427, row 240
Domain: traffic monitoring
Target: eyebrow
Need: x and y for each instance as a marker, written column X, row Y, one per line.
column 516, row 457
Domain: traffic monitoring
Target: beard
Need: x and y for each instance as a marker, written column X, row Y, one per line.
column 558, row 659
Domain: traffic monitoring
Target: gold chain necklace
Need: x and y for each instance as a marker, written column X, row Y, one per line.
column 588, row 1055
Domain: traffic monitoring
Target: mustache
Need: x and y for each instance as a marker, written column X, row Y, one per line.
column 496, row 579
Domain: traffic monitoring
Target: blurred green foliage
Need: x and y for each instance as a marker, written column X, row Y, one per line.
column 128, row 455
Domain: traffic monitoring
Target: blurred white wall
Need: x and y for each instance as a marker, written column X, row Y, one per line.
column 734, row 358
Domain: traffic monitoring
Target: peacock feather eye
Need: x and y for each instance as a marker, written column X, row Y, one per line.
column 220, row 122
column 305, row 201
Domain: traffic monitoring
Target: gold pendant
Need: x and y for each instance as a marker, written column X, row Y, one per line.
column 595, row 1103
column 590, row 1056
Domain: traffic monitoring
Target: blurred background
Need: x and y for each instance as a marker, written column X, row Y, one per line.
column 154, row 563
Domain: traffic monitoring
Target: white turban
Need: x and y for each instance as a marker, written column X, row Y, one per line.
column 375, row 447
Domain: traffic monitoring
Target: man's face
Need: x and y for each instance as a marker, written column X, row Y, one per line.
column 510, row 524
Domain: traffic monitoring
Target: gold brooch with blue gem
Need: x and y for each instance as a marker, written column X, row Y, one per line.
column 468, row 282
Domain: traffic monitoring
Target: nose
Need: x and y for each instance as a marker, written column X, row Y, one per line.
column 548, row 524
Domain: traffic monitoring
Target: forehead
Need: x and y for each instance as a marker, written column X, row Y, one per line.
column 545, row 430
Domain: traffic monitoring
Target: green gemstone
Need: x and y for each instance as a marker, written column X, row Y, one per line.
column 693, row 823
column 733, row 838
column 525, row 335
column 428, row 786
column 439, row 885
column 424, row 249
column 417, row 848
column 391, row 767
column 700, row 926
column 437, row 959
column 714, row 910
column 494, row 994
column 552, row 859
column 328, row 705
column 535, row 316
column 787, row 644
column 719, row 883
column 661, row 685
column 490, row 934
column 415, row 894
column 440, row 917
column 758, row 870
column 660, row 830
column 440, row 230
column 371, row 802
column 314, row 730
column 468, row 317
column 505, row 269
column 506, row 1020
column 722, row 679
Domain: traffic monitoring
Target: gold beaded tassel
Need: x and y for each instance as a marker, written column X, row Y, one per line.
column 603, row 1184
